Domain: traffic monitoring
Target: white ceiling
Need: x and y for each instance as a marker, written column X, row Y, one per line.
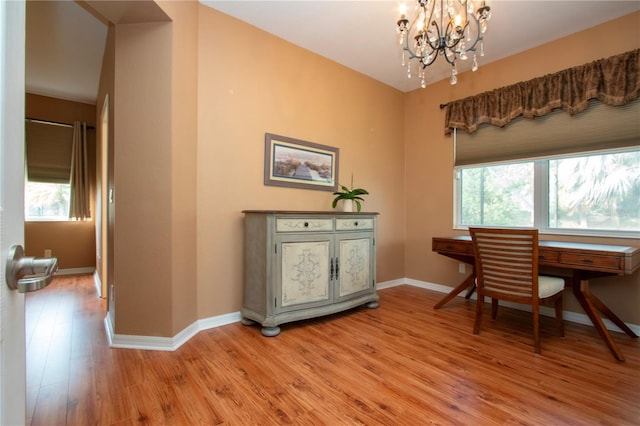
column 64, row 49
column 65, row 43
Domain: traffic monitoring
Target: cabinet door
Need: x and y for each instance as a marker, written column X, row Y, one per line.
column 304, row 272
column 355, row 264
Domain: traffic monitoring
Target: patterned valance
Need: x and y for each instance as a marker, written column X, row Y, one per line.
column 614, row 81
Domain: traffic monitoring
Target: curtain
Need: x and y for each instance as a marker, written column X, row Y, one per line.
column 613, row 81
column 79, row 204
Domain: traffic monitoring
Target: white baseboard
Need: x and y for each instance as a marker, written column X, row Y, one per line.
column 168, row 343
column 389, row 284
column 173, row 343
column 544, row 310
column 220, row 320
column 98, row 282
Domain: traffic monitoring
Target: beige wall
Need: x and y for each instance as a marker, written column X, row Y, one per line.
column 184, row 116
column 73, row 243
column 429, row 159
column 191, row 107
column 149, row 73
column 105, row 225
column 142, row 179
column 249, row 83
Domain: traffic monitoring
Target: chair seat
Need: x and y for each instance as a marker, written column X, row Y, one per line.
column 548, row 286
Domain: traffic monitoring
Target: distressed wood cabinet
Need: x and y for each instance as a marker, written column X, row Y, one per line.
column 300, row 265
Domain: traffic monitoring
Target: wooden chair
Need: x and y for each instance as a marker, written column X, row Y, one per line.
column 507, row 269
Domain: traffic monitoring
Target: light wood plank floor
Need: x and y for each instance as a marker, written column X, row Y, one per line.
column 401, row 364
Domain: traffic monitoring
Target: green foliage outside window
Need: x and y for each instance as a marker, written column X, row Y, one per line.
column 498, row 195
column 590, row 192
column 47, row 201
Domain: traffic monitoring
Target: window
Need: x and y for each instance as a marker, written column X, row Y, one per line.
column 47, row 201
column 559, row 173
column 595, row 192
column 591, row 194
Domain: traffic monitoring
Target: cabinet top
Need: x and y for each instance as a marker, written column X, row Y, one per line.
column 299, row 212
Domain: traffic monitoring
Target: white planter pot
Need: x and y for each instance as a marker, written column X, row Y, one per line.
column 347, row 205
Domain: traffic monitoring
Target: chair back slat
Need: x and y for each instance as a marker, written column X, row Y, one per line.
column 506, row 262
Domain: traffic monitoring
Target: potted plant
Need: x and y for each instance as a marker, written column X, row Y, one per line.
column 349, row 196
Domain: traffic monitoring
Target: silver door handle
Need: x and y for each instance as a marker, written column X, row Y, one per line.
column 28, row 273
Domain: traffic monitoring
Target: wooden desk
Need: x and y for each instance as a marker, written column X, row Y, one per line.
column 585, row 261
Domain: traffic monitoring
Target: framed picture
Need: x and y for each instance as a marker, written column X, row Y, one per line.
column 298, row 164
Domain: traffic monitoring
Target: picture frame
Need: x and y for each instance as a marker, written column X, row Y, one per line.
column 295, row 163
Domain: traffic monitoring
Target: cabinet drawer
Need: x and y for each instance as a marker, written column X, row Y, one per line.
column 355, row 223
column 594, row 261
column 303, row 225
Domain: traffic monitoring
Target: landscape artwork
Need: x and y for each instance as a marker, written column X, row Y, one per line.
column 295, row 163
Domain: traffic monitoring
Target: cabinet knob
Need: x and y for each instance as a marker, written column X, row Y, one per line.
column 306, row 224
column 356, row 223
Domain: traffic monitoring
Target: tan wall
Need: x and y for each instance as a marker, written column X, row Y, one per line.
column 73, row 243
column 142, row 179
column 184, row 116
column 146, row 234
column 149, row 73
column 105, row 225
column 429, row 155
column 191, row 108
column 251, row 83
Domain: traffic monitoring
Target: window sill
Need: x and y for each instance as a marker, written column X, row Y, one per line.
column 632, row 235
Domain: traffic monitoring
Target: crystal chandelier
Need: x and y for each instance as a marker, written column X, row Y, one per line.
column 451, row 28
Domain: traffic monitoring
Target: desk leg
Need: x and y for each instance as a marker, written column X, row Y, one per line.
column 469, row 282
column 470, row 291
column 591, row 304
column 604, row 309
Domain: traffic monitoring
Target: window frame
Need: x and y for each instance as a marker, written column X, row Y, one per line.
column 540, row 196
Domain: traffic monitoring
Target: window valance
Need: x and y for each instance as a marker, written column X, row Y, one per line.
column 613, row 81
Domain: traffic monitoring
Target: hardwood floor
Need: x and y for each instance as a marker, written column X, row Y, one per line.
column 401, row 364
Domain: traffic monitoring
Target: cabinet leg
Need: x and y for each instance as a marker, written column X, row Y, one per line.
column 247, row 321
column 372, row 305
column 270, row 331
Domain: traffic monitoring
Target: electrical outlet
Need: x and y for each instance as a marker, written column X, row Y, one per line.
column 47, row 253
column 462, row 268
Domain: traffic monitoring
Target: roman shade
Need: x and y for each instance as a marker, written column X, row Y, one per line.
column 48, row 152
column 598, row 127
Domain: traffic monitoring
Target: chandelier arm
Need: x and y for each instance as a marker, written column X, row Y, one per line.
column 412, row 54
column 431, row 60
column 435, row 45
column 445, row 54
column 479, row 37
column 448, row 31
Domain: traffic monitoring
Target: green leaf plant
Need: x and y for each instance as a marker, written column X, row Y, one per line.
column 350, row 194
